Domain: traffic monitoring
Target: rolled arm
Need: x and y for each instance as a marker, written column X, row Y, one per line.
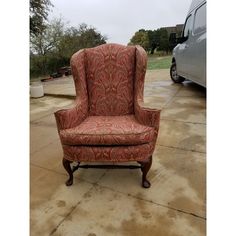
column 69, row 118
column 147, row 116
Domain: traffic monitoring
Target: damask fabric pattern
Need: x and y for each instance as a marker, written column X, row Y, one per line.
column 146, row 116
column 110, row 72
column 69, row 118
column 109, row 153
column 108, row 121
column 108, row 130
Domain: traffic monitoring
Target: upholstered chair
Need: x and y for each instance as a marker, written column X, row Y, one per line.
column 108, row 122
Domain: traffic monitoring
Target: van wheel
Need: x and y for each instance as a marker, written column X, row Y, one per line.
column 173, row 74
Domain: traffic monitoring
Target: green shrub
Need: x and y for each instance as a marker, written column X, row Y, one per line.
column 44, row 65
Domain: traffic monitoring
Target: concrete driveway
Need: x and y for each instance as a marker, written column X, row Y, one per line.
column 112, row 202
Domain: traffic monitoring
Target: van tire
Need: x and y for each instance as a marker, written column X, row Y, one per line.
column 173, row 74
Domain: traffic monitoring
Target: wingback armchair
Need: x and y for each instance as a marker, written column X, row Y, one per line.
column 108, row 122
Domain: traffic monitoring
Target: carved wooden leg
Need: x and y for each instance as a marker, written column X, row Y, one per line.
column 145, row 167
column 67, row 167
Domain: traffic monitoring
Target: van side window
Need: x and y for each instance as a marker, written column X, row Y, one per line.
column 187, row 26
column 200, row 20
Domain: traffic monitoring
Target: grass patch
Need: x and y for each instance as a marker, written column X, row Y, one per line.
column 157, row 62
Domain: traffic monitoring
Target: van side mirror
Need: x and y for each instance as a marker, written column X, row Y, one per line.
column 182, row 39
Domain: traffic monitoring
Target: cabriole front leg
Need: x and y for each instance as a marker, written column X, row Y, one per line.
column 145, row 167
column 67, row 167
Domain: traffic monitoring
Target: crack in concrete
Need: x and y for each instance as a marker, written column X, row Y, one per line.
column 170, row 100
column 65, row 174
column 50, row 112
column 186, row 96
column 158, row 204
column 101, row 176
column 45, row 168
column 190, row 150
column 69, row 213
column 44, row 146
column 172, row 208
column 195, row 123
column 37, row 119
column 68, row 96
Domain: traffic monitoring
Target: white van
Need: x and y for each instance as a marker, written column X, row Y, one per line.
column 189, row 56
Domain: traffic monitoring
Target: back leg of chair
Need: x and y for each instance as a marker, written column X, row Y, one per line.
column 145, row 167
column 66, row 164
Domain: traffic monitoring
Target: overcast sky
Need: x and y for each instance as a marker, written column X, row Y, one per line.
column 120, row 19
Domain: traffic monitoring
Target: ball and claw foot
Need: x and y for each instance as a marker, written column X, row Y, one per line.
column 69, row 182
column 66, row 164
column 146, row 184
column 145, row 167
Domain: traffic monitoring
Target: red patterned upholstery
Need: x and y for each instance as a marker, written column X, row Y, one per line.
column 108, row 130
column 110, row 73
column 108, row 122
column 109, row 153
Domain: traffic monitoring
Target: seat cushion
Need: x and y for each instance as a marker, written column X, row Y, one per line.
column 108, row 130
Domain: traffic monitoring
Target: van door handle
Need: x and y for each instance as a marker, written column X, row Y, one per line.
column 186, row 46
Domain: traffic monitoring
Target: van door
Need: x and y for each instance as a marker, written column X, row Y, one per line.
column 198, row 48
column 183, row 57
column 194, row 48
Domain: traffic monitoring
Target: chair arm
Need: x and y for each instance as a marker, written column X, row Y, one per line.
column 147, row 116
column 69, row 118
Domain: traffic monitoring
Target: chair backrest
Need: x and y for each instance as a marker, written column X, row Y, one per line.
column 109, row 79
column 110, row 71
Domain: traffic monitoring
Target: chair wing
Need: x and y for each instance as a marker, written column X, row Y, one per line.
column 146, row 116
